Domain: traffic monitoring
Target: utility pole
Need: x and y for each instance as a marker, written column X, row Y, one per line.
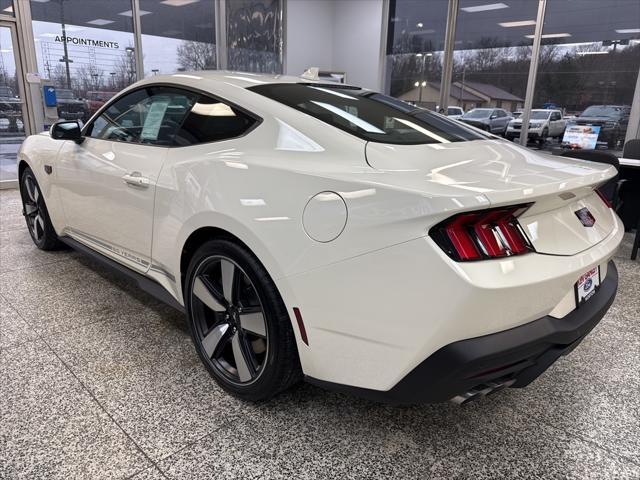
column 65, row 59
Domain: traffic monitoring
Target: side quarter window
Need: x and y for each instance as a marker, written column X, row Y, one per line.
column 211, row 120
column 151, row 115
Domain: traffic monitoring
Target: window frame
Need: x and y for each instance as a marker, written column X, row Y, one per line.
column 258, row 119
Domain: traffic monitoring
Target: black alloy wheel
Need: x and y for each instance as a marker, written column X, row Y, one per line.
column 543, row 136
column 239, row 323
column 229, row 320
column 36, row 214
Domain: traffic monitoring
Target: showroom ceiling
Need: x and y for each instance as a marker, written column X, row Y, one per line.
column 566, row 21
column 181, row 19
column 580, row 21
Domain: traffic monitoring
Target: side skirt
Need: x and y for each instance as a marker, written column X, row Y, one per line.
column 150, row 286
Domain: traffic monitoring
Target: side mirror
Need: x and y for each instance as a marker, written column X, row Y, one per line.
column 66, row 130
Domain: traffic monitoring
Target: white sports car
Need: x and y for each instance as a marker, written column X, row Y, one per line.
column 329, row 232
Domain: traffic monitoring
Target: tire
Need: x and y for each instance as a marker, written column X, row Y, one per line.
column 543, row 136
column 36, row 214
column 239, row 323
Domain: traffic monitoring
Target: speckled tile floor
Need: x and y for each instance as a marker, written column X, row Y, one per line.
column 99, row 380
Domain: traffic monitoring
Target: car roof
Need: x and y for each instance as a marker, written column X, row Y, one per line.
column 236, row 79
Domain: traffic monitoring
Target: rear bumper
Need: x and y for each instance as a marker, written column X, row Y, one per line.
column 520, row 354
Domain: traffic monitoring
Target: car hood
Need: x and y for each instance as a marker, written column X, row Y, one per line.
column 501, row 171
column 474, row 120
column 595, row 119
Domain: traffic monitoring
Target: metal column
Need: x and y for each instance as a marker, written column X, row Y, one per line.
column 137, row 34
column 28, row 61
column 221, row 34
column 447, row 61
column 633, row 129
column 533, row 72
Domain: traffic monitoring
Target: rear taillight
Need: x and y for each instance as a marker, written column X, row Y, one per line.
column 493, row 233
column 604, row 198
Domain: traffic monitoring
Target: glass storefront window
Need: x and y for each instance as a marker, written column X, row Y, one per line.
column 12, row 129
column 415, row 49
column 6, row 8
column 589, row 65
column 254, row 35
column 492, row 55
column 178, row 35
column 86, row 49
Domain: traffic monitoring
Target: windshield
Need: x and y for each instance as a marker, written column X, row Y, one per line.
column 368, row 115
column 478, row 113
column 540, row 114
column 602, row 111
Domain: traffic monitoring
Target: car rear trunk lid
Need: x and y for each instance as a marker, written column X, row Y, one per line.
column 560, row 189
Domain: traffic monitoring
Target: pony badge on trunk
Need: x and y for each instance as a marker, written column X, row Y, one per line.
column 585, row 216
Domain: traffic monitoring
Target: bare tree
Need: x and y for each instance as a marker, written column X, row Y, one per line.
column 196, row 55
column 86, row 78
column 59, row 76
column 125, row 70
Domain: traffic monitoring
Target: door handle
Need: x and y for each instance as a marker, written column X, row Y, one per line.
column 136, row 179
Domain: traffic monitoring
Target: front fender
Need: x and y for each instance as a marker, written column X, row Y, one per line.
column 38, row 151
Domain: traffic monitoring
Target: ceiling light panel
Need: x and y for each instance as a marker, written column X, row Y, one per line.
column 484, row 8
column 521, row 23
column 179, row 3
column 129, row 13
column 100, row 22
column 552, row 35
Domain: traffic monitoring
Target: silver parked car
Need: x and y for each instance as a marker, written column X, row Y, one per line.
column 494, row 120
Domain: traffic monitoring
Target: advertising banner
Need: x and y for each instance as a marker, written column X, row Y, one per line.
column 581, row 136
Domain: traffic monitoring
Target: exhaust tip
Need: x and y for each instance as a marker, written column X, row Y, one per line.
column 480, row 391
column 465, row 398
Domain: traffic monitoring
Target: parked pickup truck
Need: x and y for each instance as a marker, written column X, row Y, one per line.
column 542, row 125
column 612, row 120
column 69, row 107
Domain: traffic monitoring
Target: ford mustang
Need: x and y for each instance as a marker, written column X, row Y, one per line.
column 321, row 231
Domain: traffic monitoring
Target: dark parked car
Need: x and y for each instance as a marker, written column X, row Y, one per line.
column 612, row 120
column 494, row 120
column 69, row 106
column 10, row 110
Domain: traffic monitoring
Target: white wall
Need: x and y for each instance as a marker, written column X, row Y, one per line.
column 337, row 35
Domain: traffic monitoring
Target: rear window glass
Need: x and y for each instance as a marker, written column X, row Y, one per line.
column 368, row 115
